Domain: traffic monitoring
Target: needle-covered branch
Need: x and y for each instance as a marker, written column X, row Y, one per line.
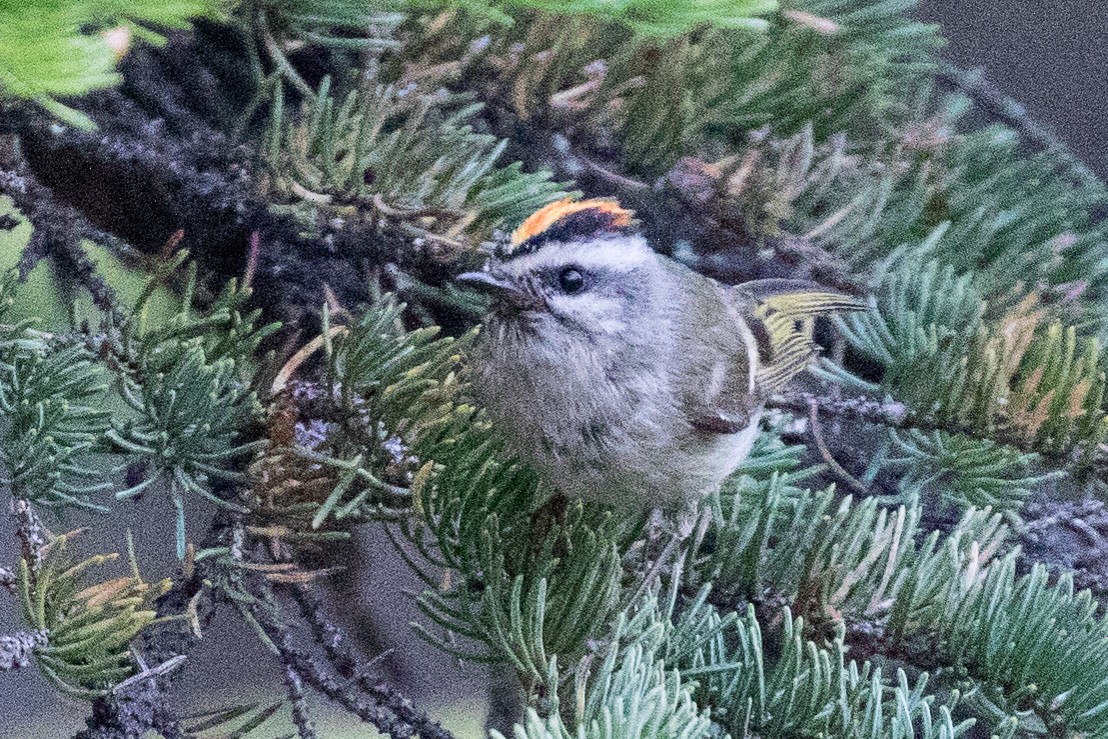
column 330, row 152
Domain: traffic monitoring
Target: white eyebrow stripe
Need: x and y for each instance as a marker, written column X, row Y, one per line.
column 614, row 255
column 622, row 254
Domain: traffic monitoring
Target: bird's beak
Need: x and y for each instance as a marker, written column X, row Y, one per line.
column 499, row 288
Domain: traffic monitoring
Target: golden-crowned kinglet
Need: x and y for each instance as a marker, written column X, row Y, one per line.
column 622, row 375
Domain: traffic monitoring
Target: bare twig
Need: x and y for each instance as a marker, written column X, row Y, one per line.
column 32, row 534
column 356, row 671
column 16, row 649
column 395, row 715
column 817, row 435
column 300, row 714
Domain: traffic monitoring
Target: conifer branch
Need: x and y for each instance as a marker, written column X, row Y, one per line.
column 891, row 414
column 388, row 424
column 59, row 227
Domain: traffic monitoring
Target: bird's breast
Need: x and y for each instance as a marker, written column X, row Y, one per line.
column 566, row 398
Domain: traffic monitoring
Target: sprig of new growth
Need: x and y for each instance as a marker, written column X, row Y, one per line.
column 88, row 627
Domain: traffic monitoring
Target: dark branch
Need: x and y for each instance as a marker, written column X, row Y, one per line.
column 355, row 670
column 58, row 227
column 380, row 705
column 1072, row 536
column 893, row 414
column 300, row 713
column 142, row 709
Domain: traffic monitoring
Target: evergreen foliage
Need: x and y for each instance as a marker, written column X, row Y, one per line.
column 190, row 391
column 791, row 610
column 942, row 355
column 393, row 387
column 647, row 18
column 333, row 23
column 661, row 99
column 89, row 627
column 807, row 690
column 401, row 151
column 935, row 188
column 51, row 399
column 962, row 471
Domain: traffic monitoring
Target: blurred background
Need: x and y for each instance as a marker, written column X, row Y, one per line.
column 1051, row 57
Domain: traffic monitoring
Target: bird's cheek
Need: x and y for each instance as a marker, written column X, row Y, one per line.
column 611, row 318
column 613, row 325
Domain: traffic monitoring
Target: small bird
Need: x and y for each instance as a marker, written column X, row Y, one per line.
column 623, row 376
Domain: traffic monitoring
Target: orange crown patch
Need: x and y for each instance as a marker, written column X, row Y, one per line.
column 567, row 219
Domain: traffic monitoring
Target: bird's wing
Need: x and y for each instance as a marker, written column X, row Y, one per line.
column 746, row 343
column 783, row 316
column 720, row 359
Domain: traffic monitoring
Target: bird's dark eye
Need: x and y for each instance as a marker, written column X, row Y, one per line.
column 571, row 280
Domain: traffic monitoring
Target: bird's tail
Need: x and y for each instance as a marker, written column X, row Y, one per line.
column 786, row 311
